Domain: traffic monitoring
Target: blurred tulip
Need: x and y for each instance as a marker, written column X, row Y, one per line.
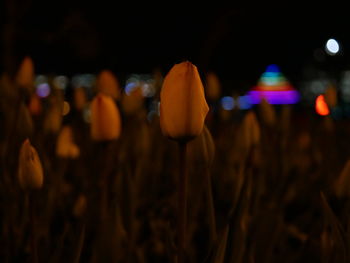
column 212, row 87
column 330, row 96
column 53, row 120
column 183, row 107
column 30, row 171
column 25, row 73
column 80, row 99
column 105, row 118
column 65, row 147
column 267, row 112
column 251, row 130
column 133, row 102
column 80, row 206
column 108, row 84
column 34, row 105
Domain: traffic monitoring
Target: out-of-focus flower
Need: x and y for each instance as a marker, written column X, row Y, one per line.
column 30, row 171
column 53, row 120
column 80, row 99
column 25, row 73
column 80, row 206
column 330, row 96
column 65, row 147
column 212, row 86
column 251, row 130
column 342, row 184
column 108, row 84
column 267, row 112
column 105, row 118
column 133, row 102
column 34, row 105
column 183, row 107
column 202, row 149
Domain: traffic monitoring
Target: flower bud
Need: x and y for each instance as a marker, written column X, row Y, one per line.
column 251, row 130
column 34, row 105
column 30, row 171
column 108, row 84
column 133, row 102
column 53, row 120
column 25, row 73
column 80, row 206
column 80, row 99
column 183, row 107
column 105, row 118
column 212, row 87
column 65, row 147
column 267, row 112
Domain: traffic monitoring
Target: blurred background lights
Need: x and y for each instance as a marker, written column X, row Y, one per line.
column 43, row 90
column 60, row 82
column 84, row 80
column 321, row 106
column 332, row 47
column 274, row 87
column 244, row 102
column 145, row 81
column 227, row 103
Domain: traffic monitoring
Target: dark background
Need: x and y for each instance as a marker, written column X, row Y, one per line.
column 65, row 37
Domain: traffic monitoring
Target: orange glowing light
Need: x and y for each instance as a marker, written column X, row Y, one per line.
column 321, row 106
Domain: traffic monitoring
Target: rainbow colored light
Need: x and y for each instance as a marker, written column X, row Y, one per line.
column 274, row 87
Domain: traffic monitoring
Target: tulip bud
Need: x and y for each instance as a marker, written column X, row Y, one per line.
column 267, row 112
column 330, row 96
column 53, row 120
column 213, row 87
column 25, row 73
column 80, row 206
column 80, row 99
column 105, row 118
column 34, row 105
column 133, row 102
column 183, row 107
column 30, row 171
column 108, row 84
column 65, row 147
column 251, row 130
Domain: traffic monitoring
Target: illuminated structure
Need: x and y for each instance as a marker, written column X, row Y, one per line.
column 274, row 87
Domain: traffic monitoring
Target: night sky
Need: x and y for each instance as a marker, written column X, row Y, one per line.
column 236, row 42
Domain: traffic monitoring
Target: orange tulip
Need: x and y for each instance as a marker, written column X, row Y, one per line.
column 212, row 87
column 183, row 107
column 30, row 171
column 133, row 102
column 108, row 84
column 251, row 130
column 105, row 118
column 65, row 147
column 25, row 73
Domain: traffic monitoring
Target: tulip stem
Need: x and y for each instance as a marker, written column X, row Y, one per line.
column 33, row 243
column 182, row 202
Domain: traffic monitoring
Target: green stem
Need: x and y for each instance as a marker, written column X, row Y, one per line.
column 182, row 203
